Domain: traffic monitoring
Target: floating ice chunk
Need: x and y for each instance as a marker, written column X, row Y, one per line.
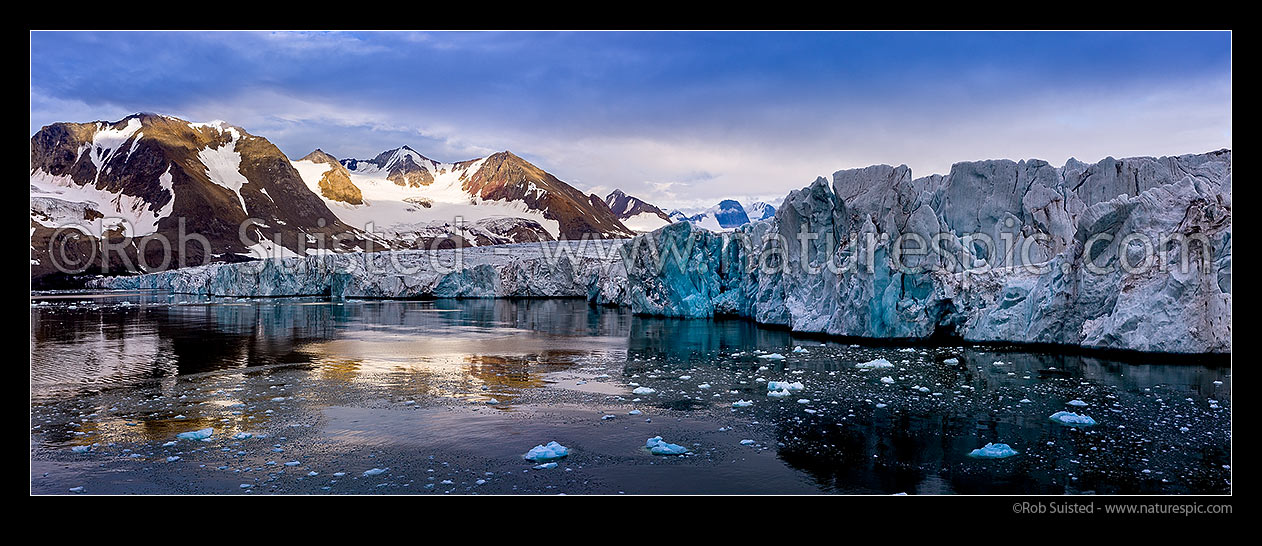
column 634, row 412
column 81, row 449
column 242, row 436
column 643, row 390
column 780, row 393
column 196, row 434
column 992, row 451
column 703, row 386
column 785, row 386
column 772, row 356
column 887, row 380
column 1076, row 403
column 173, row 458
column 1025, row 401
column 1072, row 419
column 375, row 471
column 804, row 400
column 606, row 417
column 951, row 361
column 76, row 489
column 747, row 442
column 544, row 453
column 246, row 486
column 658, row 446
column 292, row 463
column 742, row 403
column 799, row 349
column 545, row 466
column 313, row 473
column 871, row 364
column 169, row 444
column 685, row 377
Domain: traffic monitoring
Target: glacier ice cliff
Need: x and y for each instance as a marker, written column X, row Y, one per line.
column 1129, row 254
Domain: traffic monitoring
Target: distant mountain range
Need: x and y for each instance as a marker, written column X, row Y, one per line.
column 729, row 214
column 151, row 174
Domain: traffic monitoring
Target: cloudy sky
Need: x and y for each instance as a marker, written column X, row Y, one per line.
column 679, row 119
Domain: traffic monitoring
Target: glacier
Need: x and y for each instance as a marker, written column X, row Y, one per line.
column 1124, row 254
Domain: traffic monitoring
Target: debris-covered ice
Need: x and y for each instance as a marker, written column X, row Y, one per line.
column 544, row 453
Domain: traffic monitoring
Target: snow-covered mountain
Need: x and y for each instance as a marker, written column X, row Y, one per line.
column 636, row 213
column 410, row 199
column 150, row 174
column 759, row 210
column 725, row 216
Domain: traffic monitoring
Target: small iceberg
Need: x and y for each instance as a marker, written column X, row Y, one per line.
column 785, row 386
column 779, row 393
column 545, row 466
column 643, row 390
column 81, row 449
column 992, row 451
column 658, row 446
column 951, row 361
column 799, row 349
column 772, row 356
column 742, row 403
column 1072, row 419
column 871, row 364
column 545, row 453
column 887, row 380
column 375, row 471
column 196, row 434
column 1076, row 403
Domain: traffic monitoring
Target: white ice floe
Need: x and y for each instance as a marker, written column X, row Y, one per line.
column 785, row 386
column 643, row 390
column 1072, row 419
column 196, row 434
column 634, row 412
column 747, row 442
column 887, row 380
column 81, row 449
column 657, row 446
column 1076, row 403
column 545, row 466
column 799, row 349
column 871, row 364
column 375, row 471
column 992, row 451
column 742, row 403
column 544, row 453
column 772, row 356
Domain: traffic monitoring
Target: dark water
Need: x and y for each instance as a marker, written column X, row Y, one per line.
column 447, row 394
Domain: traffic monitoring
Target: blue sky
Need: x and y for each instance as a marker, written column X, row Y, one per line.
column 680, row 119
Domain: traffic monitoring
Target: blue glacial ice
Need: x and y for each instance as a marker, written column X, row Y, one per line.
column 1072, row 419
column 201, row 434
column 993, row 451
column 545, row 453
column 658, row 446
